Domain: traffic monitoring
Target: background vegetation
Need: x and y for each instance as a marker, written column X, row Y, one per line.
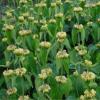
column 49, row 50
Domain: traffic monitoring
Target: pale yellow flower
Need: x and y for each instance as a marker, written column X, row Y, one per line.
column 58, row 2
column 76, row 73
column 53, row 21
column 98, row 3
column 42, row 5
column 4, row 39
column 23, row 1
column 35, row 21
column 62, row 54
column 90, row 5
column 20, row 71
column 45, row 88
column 44, row 27
column 42, row 21
column 45, row 44
column 98, row 19
column 88, row 76
column 21, row 51
column 98, row 45
column 61, row 35
column 45, row 73
column 43, row 76
column 81, row 50
column 88, row 63
column 25, row 32
column 11, row 47
column 89, row 93
column 8, row 27
column 60, row 40
column 21, row 18
column 25, row 97
column 89, row 23
column 26, row 14
column 48, row 71
column 12, row 90
column 35, row 36
column 61, row 79
column 31, row 18
column 53, row 4
column 78, row 9
column 9, row 14
column 59, row 15
column 68, row 1
column 8, row 73
column 78, row 26
column 82, row 97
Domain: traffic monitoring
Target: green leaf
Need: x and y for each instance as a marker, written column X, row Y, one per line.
column 58, row 90
column 28, row 77
column 67, row 44
column 74, row 57
column 78, row 85
column 83, row 35
column 74, row 36
column 3, row 95
column 38, row 83
column 67, row 87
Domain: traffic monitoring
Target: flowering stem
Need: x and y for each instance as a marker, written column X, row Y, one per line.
column 48, row 97
column 79, row 38
column 77, row 17
column 22, row 83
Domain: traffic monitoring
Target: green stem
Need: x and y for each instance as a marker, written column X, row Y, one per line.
column 48, row 97
column 22, row 83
